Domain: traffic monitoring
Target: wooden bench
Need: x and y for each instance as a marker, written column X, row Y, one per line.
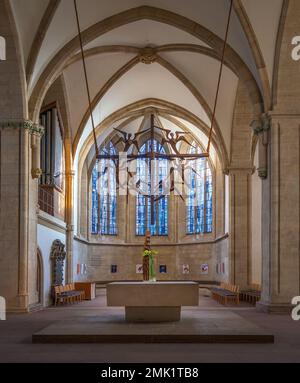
column 226, row 293
column 67, row 294
column 252, row 295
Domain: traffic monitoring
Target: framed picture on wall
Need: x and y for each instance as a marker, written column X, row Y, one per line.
column 204, row 269
column 81, row 269
column 185, row 269
column 114, row 269
column 163, row 269
column 139, row 269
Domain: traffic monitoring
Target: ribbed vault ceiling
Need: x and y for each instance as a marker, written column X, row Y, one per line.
column 185, row 73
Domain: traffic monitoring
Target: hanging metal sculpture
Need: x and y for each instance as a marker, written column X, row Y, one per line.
column 172, row 139
column 129, row 139
column 168, row 137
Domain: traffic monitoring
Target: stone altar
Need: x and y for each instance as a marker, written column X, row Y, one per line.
column 152, row 301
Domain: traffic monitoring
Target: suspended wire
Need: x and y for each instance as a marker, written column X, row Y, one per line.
column 220, row 77
column 86, row 79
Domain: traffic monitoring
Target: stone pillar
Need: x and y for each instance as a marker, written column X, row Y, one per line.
column 17, row 189
column 261, row 129
column 36, row 170
column 15, row 214
column 23, row 288
column 70, row 225
column 281, row 216
column 239, row 247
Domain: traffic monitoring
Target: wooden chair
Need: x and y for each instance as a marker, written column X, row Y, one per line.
column 67, row 294
column 251, row 295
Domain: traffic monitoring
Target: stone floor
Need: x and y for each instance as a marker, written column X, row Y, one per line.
column 16, row 334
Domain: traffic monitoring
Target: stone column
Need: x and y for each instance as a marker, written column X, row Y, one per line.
column 281, row 216
column 36, row 170
column 239, row 244
column 23, row 287
column 16, row 240
column 70, row 225
column 261, row 129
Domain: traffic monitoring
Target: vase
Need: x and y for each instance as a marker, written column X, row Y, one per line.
column 152, row 273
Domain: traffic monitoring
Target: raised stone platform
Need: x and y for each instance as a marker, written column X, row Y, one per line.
column 196, row 326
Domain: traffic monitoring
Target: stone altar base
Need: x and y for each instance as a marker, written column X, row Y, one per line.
column 152, row 301
column 196, row 326
column 152, row 314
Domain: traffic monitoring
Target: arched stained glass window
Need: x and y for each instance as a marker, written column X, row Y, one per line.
column 145, row 173
column 104, row 195
column 199, row 197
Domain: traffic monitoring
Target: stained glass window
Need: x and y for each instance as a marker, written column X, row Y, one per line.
column 158, row 223
column 199, row 197
column 104, row 195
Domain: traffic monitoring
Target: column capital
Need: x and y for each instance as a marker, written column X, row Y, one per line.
column 70, row 227
column 261, row 124
column 34, row 129
column 230, row 170
column 70, row 173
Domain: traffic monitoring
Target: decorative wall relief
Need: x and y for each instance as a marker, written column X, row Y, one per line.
column 81, row 269
column 204, row 269
column 57, row 256
column 223, row 268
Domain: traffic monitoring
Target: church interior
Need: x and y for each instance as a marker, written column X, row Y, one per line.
column 149, row 180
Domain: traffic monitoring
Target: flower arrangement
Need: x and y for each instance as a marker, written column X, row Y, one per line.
column 149, row 253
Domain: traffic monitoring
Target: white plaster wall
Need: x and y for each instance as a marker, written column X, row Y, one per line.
column 80, row 256
column 45, row 238
column 222, row 263
column 264, row 16
column 256, row 230
column 28, row 18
